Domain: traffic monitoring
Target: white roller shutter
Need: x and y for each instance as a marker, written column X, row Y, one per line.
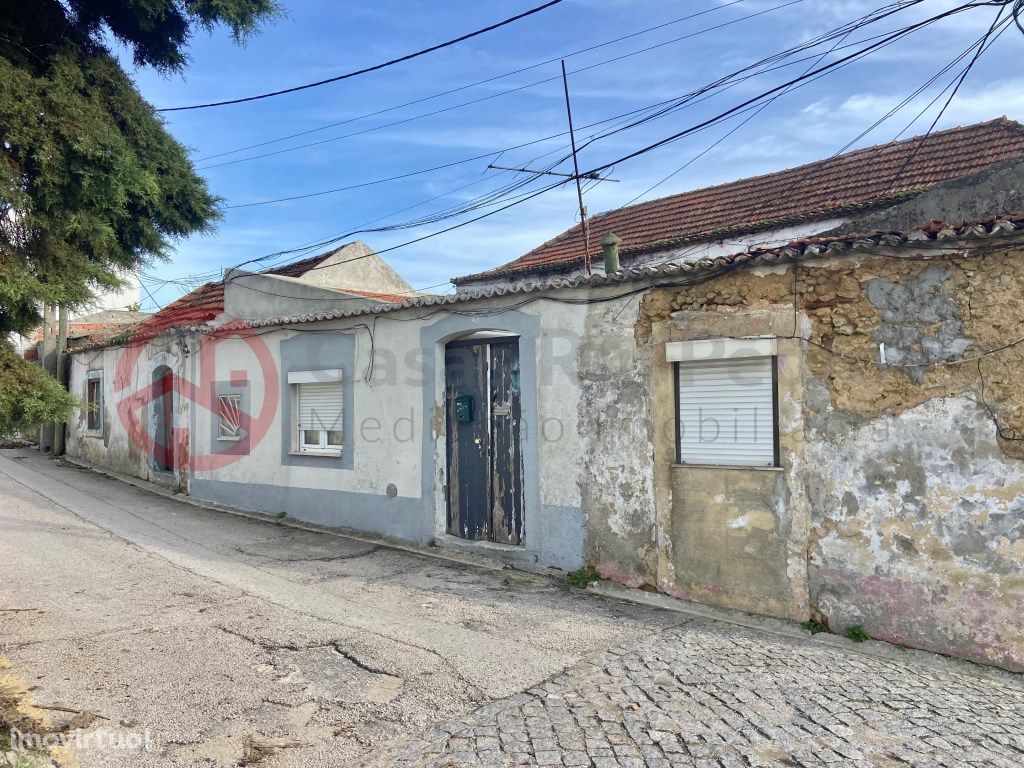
column 727, row 412
column 320, row 405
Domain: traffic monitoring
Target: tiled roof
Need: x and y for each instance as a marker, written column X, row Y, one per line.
column 200, row 306
column 929, row 236
column 99, row 324
column 95, row 328
column 207, row 301
column 850, row 183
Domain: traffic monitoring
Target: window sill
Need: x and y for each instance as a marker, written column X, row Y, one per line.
column 321, row 454
column 96, row 434
column 754, row 468
column 229, row 439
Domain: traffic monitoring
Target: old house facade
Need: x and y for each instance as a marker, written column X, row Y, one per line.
column 830, row 428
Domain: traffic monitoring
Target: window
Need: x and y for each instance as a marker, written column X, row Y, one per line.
column 319, row 406
column 94, row 401
column 229, row 415
column 725, row 402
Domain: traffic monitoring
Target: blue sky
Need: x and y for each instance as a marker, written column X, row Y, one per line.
column 318, row 39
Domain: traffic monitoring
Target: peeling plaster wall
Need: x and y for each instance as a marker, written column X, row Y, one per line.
column 733, row 536
column 919, row 532
column 120, row 444
column 615, row 423
column 912, row 472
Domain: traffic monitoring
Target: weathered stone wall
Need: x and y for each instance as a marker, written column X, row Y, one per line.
column 913, row 469
column 616, row 478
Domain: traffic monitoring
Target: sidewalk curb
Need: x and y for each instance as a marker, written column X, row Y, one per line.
column 341, row 533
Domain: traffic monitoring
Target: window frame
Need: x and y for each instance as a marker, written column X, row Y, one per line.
column 322, row 447
column 237, row 397
column 714, row 350
column 94, row 410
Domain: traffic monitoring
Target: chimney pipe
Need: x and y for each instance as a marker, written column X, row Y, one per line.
column 610, row 246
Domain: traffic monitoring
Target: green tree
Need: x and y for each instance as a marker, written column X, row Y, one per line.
column 91, row 183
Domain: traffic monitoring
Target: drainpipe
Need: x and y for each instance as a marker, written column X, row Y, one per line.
column 610, row 246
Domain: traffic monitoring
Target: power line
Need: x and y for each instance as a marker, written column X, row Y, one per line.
column 748, row 104
column 374, row 68
column 722, row 84
column 472, row 85
column 956, row 88
column 893, row 37
column 451, row 164
column 982, row 41
column 499, row 94
column 890, row 113
column 733, row 130
column 492, row 198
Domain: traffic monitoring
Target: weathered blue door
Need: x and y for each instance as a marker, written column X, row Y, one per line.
column 485, row 460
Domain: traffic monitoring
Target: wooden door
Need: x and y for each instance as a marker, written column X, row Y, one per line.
column 484, row 453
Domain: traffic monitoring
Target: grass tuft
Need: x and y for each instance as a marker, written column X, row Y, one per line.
column 857, row 633
column 581, row 577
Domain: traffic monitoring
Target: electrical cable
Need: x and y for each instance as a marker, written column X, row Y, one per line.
column 473, row 84
column 499, row 94
column 750, row 103
column 751, row 69
column 949, row 100
column 889, row 39
column 374, row 68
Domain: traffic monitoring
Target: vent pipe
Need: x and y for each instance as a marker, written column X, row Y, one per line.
column 610, row 246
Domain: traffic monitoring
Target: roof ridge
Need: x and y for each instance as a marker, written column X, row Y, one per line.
column 1003, row 120
column 840, row 184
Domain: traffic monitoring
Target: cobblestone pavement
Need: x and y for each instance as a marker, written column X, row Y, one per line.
column 712, row 694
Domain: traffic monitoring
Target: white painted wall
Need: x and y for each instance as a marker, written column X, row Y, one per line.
column 386, row 420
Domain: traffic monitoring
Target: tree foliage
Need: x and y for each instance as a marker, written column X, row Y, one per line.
column 91, row 183
column 28, row 395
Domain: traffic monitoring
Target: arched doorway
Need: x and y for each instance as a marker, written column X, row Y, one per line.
column 483, row 429
column 162, row 419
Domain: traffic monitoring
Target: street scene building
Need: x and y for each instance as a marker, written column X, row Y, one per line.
column 824, row 429
column 483, row 385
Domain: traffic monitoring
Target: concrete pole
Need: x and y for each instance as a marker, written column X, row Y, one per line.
column 48, row 359
column 62, row 354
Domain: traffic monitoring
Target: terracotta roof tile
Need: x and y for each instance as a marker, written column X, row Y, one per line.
column 853, row 182
column 207, row 301
column 933, row 235
column 199, row 306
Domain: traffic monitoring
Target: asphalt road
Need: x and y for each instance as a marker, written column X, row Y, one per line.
column 202, row 632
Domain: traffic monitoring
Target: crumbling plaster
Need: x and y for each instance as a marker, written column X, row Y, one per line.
column 911, row 469
column 614, row 422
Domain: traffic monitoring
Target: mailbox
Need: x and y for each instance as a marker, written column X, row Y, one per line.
column 464, row 408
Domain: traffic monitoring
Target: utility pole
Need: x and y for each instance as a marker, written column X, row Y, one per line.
column 62, row 356
column 48, row 359
column 576, row 174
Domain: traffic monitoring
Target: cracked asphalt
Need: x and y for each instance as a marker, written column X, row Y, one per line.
column 214, row 631
column 227, row 639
